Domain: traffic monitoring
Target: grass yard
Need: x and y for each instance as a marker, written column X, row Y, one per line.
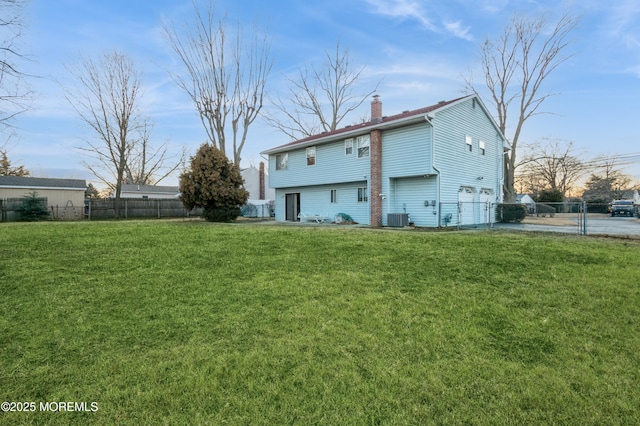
column 178, row 322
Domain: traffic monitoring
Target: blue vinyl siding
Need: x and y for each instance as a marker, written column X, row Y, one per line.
column 458, row 166
column 317, row 200
column 406, row 151
column 407, row 195
column 332, row 166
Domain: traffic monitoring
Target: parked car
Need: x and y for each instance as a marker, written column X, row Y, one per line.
column 622, row 208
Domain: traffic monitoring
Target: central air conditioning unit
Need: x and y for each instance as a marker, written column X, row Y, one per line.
column 397, row 219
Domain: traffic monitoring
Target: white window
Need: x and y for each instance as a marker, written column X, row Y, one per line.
column 348, row 147
column 311, row 156
column 362, row 195
column 482, row 147
column 363, row 146
column 469, row 143
column 334, row 195
column 282, row 161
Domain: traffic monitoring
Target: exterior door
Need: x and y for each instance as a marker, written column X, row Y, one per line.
column 292, row 206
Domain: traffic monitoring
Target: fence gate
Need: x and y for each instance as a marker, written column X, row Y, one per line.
column 582, row 218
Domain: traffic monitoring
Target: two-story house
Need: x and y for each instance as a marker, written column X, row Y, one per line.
column 439, row 165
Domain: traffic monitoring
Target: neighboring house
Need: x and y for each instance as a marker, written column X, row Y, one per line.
column 149, row 191
column 65, row 197
column 261, row 198
column 255, row 182
column 528, row 201
column 441, row 165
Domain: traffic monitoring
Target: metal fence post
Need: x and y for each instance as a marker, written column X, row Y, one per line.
column 584, row 220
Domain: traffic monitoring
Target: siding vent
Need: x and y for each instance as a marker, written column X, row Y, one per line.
column 398, row 219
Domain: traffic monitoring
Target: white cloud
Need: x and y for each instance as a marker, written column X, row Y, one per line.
column 411, row 9
column 405, row 9
column 456, row 29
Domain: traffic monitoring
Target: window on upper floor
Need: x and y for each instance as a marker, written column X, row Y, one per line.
column 362, row 195
column 311, row 156
column 363, row 146
column 282, row 161
column 348, row 146
column 482, row 150
column 469, row 141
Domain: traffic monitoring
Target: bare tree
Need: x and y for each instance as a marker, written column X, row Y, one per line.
column 106, row 100
column 554, row 165
column 224, row 76
column 148, row 165
column 515, row 66
column 15, row 96
column 320, row 98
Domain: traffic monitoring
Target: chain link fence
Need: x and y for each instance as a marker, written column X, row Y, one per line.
column 578, row 217
column 570, row 217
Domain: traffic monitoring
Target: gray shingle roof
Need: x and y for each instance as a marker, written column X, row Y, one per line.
column 35, row 182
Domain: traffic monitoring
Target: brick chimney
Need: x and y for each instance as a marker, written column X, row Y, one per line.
column 376, row 109
column 262, row 189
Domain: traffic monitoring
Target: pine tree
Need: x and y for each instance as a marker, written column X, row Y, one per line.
column 6, row 169
column 213, row 183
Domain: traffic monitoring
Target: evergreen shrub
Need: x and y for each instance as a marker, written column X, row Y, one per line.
column 508, row 213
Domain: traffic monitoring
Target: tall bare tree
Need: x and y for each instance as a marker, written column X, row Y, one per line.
column 149, row 165
column 553, row 165
column 224, row 75
column 320, row 98
column 107, row 99
column 15, row 96
column 515, row 67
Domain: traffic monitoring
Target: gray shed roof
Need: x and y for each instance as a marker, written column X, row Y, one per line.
column 41, row 183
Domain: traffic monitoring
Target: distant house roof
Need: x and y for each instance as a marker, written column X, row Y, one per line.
column 42, row 183
column 152, row 189
column 396, row 120
column 526, row 198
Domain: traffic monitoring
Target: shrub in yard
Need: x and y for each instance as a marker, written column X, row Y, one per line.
column 544, row 209
column 213, row 183
column 33, row 208
column 221, row 214
column 508, row 213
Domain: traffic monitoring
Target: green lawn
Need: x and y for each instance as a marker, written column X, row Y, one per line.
column 179, row 322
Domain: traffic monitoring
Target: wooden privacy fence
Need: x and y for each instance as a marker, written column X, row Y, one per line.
column 10, row 208
column 104, row 208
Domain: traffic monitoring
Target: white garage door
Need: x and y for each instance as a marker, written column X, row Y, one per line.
column 466, row 205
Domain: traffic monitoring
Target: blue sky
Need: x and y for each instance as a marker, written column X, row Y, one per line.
column 419, row 50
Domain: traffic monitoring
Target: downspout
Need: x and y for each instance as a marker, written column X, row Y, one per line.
column 433, row 166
